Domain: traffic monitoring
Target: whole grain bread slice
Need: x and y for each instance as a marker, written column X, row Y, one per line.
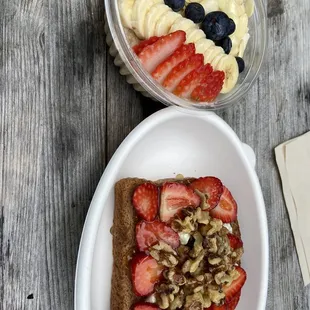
column 123, row 234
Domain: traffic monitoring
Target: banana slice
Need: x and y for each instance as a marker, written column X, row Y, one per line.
column 125, row 8
column 216, row 60
column 211, row 53
column 229, row 65
column 242, row 26
column 235, row 45
column 223, row 4
column 237, row 9
column 202, row 45
column 193, row 35
column 210, row 5
column 139, row 11
column 249, row 7
column 152, row 17
column 243, row 44
column 183, row 24
column 239, row 1
column 165, row 22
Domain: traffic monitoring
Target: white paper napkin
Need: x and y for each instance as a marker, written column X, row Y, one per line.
column 293, row 159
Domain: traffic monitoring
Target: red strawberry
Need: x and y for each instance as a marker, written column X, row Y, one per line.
column 234, row 302
column 148, row 234
column 179, row 72
column 145, row 201
column 192, row 80
column 226, row 210
column 146, row 272
column 145, row 306
column 210, row 186
column 174, row 197
column 153, row 55
column 182, row 53
column 209, row 88
column 227, row 306
column 139, row 47
column 234, row 241
column 235, row 287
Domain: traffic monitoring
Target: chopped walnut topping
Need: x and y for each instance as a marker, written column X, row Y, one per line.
column 199, row 269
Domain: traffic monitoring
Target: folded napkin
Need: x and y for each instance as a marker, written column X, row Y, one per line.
column 293, row 159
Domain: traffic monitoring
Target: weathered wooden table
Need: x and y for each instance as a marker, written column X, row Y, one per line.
column 65, row 109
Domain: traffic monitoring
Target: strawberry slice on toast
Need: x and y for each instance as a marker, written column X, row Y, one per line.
column 145, row 200
column 145, row 272
column 234, row 241
column 226, row 210
column 145, row 306
column 182, row 53
column 211, row 187
column 175, row 197
column 235, row 287
column 153, row 55
column 148, row 234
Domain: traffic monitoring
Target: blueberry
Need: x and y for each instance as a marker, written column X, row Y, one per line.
column 195, row 12
column 175, row 5
column 232, row 27
column 226, row 44
column 216, row 25
column 241, row 64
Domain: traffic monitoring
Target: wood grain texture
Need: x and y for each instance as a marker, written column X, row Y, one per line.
column 65, row 109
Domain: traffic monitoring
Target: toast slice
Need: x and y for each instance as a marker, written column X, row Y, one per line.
column 123, row 233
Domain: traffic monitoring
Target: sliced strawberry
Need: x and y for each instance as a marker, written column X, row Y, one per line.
column 175, row 197
column 209, row 88
column 227, row 306
column 145, row 306
column 192, row 80
column 234, row 241
column 145, row 201
column 139, row 47
column 234, row 302
column 226, row 210
column 146, row 272
column 148, row 234
column 235, row 287
column 182, row 53
column 153, row 55
column 179, row 72
column 210, row 186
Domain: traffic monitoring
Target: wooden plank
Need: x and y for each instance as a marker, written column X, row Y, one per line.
column 53, row 112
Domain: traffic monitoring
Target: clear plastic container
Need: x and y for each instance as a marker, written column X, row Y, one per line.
column 131, row 67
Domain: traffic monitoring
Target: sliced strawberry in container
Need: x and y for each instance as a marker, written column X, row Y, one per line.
column 234, row 241
column 153, row 55
column 148, row 234
column 145, row 200
column 192, row 80
column 179, row 72
column 182, row 53
column 226, row 210
column 209, row 88
column 146, row 272
column 235, row 287
column 145, row 306
column 211, row 187
column 175, row 197
column 139, row 47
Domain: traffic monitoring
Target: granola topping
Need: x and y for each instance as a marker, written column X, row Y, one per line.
column 197, row 271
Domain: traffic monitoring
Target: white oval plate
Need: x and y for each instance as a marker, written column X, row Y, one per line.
column 165, row 144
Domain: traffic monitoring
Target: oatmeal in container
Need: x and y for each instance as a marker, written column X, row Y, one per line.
column 202, row 54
